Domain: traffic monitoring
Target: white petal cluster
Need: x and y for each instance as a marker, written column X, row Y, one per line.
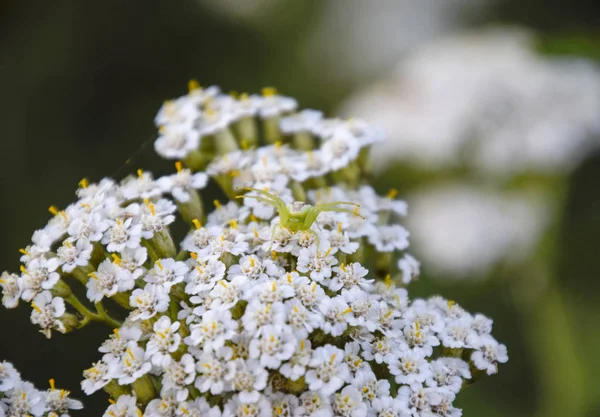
column 281, row 302
column 21, row 398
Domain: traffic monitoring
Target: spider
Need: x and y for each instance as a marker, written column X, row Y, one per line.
column 300, row 216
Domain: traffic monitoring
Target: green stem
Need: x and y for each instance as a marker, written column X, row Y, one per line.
column 88, row 315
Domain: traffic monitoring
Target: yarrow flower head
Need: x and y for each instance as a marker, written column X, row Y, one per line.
column 287, row 300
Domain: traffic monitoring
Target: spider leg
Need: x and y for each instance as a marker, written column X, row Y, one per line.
column 277, row 204
column 317, row 238
column 311, row 216
column 337, row 203
column 259, row 198
column 273, row 230
column 343, row 210
column 261, row 192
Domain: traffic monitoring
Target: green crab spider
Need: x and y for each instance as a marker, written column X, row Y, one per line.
column 299, row 216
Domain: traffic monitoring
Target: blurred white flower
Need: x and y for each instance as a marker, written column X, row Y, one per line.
column 486, row 99
column 462, row 231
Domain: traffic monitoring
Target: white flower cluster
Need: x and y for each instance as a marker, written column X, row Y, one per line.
column 20, row 398
column 285, row 301
column 488, row 100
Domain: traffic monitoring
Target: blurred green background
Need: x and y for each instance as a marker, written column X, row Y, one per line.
column 81, row 82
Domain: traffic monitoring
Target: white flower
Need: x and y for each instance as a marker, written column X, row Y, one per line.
column 317, row 263
column 295, row 367
column 165, row 406
column 89, row 227
column 11, row 289
column 178, row 375
column 133, row 260
column 245, row 107
column 489, row 354
column 228, row 242
column 108, row 280
column 310, row 293
column 410, row 367
column 381, row 349
column 215, row 117
column 349, row 403
column 254, row 268
column 420, row 340
column 270, row 291
column 418, row 400
column 272, row 105
column 257, row 315
column 303, row 121
column 238, row 408
column 180, row 184
column 154, row 217
column 9, row 376
column 335, row 311
column 124, row 407
column 445, row 406
column 122, row 234
column 481, row 324
column 226, row 165
column 117, row 343
column 227, row 293
column 448, row 373
column 352, row 358
column 211, row 333
column 176, row 141
column 204, row 275
column 274, row 345
column 74, row 255
column 148, row 302
column 410, row 268
column 164, row 341
column 449, row 309
column 212, row 368
column 39, row 275
column 301, row 320
column 370, row 388
column 58, row 402
column 429, row 319
column 248, row 378
column 329, row 372
column 341, row 240
column 348, row 276
column 389, row 238
column 459, row 334
column 197, row 240
column 283, row 405
column 340, row 150
column 363, row 312
column 166, row 273
column 25, row 400
column 388, row 320
column 96, row 378
column 130, row 366
column 197, row 408
column 448, row 239
column 47, row 311
column 314, row 404
column 389, row 407
column 41, row 244
column 141, row 187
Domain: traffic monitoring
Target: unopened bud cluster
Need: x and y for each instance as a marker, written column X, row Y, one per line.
column 288, row 300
